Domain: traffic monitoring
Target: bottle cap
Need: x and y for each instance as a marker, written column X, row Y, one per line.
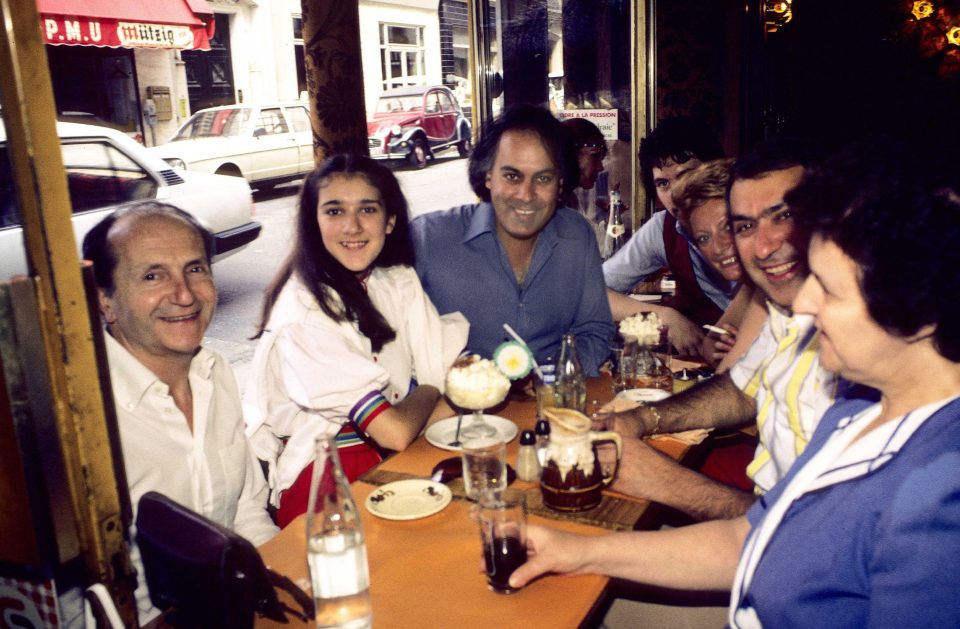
column 543, row 427
column 527, row 438
column 548, row 373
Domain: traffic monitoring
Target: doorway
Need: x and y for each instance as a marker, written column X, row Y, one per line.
column 210, row 72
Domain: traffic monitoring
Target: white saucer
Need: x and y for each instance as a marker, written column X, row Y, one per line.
column 644, row 395
column 442, row 433
column 408, row 499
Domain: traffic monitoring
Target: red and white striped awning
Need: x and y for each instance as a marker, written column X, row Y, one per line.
column 173, row 24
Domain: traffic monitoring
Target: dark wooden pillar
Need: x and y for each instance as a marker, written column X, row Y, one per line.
column 331, row 37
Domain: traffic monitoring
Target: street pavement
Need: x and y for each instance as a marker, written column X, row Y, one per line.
column 242, row 278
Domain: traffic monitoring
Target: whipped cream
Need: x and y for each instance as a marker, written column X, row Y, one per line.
column 644, row 326
column 476, row 383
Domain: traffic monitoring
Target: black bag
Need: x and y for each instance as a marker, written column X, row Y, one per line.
column 211, row 576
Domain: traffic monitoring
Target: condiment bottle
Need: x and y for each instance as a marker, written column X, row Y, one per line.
column 543, row 439
column 571, row 385
column 528, row 465
column 336, row 550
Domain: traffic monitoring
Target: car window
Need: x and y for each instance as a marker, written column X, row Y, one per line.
column 99, row 175
column 270, row 122
column 445, row 102
column 216, row 123
column 433, row 103
column 298, row 118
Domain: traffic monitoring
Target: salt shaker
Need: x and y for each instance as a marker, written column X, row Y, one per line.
column 528, row 463
column 543, row 440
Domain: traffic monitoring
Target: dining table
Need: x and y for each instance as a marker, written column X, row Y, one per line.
column 428, row 572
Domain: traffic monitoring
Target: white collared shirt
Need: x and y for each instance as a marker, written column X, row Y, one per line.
column 210, row 470
column 309, row 372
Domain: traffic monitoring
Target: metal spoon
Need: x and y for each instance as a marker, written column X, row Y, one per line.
column 456, row 438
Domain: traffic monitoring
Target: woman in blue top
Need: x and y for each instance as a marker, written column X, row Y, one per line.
column 864, row 531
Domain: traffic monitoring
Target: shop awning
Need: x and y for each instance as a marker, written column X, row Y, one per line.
column 175, row 24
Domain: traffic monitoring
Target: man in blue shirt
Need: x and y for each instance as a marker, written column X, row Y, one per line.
column 516, row 257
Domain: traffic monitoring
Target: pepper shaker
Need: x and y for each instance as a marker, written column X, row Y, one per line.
column 543, row 440
column 528, row 463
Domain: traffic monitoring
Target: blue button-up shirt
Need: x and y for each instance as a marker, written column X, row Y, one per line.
column 463, row 266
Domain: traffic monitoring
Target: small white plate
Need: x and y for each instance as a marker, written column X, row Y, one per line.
column 442, row 433
column 408, row 499
column 644, row 395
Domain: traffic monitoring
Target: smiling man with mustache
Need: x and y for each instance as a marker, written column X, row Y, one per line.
column 178, row 407
column 517, row 257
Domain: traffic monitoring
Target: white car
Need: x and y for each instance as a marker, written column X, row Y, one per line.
column 105, row 170
column 265, row 144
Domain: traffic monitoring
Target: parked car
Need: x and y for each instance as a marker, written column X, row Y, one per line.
column 265, row 144
column 105, row 170
column 415, row 123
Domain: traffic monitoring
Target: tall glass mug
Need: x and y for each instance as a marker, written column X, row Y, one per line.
column 653, row 363
column 625, row 364
column 503, row 536
column 484, row 466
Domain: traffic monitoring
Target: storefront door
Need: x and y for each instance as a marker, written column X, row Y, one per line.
column 210, row 73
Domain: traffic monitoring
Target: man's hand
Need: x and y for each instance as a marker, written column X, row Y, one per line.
column 550, row 550
column 716, row 346
column 685, row 335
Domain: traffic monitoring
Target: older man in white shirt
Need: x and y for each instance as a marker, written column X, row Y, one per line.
column 178, row 407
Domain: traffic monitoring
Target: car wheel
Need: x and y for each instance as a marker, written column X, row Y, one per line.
column 464, row 146
column 230, row 170
column 418, row 154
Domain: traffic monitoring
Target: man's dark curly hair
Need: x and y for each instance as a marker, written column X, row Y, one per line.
column 555, row 137
column 896, row 213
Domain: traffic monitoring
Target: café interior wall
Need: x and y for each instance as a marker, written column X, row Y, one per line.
column 697, row 70
column 840, row 70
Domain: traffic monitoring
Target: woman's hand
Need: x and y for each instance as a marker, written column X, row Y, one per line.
column 685, row 335
column 551, row 551
column 716, row 346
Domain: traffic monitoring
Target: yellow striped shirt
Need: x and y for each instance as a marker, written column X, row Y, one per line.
column 782, row 372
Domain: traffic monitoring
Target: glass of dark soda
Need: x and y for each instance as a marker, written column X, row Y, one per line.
column 503, row 535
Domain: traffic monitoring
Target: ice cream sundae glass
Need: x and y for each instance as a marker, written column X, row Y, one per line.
column 475, row 384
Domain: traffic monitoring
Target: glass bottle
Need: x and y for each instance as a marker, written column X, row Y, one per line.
column 571, row 385
column 336, row 551
column 616, row 231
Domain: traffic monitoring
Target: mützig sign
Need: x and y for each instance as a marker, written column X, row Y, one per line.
column 96, row 32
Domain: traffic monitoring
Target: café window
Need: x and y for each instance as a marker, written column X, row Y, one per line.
column 401, row 55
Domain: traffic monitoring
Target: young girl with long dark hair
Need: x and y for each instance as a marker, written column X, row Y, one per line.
column 350, row 345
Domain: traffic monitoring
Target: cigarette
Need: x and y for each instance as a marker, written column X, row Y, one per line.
column 713, row 328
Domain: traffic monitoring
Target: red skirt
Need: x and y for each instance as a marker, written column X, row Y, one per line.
column 356, row 460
